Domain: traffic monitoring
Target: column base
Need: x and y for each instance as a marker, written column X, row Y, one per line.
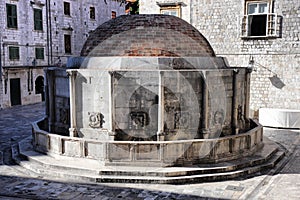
column 160, row 136
column 73, row 132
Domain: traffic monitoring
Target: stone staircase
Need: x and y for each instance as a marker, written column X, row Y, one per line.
column 87, row 170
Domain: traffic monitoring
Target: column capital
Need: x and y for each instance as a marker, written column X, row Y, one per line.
column 72, row 73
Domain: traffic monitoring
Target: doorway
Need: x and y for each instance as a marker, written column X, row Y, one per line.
column 15, row 91
column 39, row 87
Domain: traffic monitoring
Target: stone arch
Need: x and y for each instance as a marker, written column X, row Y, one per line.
column 39, row 86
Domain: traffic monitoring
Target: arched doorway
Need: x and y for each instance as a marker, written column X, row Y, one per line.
column 39, row 86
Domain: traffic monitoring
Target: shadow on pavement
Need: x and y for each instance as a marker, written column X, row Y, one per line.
column 34, row 188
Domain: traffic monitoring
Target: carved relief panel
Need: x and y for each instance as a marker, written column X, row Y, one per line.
column 96, row 119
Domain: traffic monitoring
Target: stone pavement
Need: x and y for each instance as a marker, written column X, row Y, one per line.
column 17, row 183
column 15, row 125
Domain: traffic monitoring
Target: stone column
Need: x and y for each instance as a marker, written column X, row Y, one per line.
column 111, row 105
column 247, row 97
column 234, row 117
column 204, row 107
column 160, row 122
column 50, row 112
column 72, row 77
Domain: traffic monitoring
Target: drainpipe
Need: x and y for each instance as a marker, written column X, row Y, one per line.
column 0, row 60
column 50, row 32
column 234, row 117
column 47, row 24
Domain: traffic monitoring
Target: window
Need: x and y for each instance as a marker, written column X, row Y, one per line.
column 11, row 12
column 39, row 53
column 67, row 10
column 67, row 40
column 170, row 9
column 38, row 19
column 113, row 14
column 259, row 21
column 13, row 53
column 92, row 13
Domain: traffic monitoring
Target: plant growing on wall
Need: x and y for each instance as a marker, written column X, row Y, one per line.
column 132, row 7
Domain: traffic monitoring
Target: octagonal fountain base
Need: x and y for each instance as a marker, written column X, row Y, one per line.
column 153, row 153
column 88, row 170
column 51, row 155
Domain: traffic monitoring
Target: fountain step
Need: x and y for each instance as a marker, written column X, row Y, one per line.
column 87, row 170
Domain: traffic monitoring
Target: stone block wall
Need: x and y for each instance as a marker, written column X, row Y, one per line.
column 152, row 7
column 221, row 23
column 24, row 36
column 78, row 25
column 28, row 91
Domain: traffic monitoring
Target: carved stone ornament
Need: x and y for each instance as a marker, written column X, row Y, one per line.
column 64, row 115
column 219, row 117
column 96, row 119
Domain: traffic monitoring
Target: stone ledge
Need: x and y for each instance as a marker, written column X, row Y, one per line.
column 85, row 170
column 279, row 118
column 160, row 153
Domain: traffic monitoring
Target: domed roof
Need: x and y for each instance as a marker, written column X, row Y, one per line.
column 147, row 36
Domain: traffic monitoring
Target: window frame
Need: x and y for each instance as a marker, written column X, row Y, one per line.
column 11, row 20
column 92, row 13
column 14, row 53
column 38, row 19
column 113, row 14
column 272, row 24
column 39, row 53
column 169, row 6
column 176, row 8
column 67, row 8
column 67, row 39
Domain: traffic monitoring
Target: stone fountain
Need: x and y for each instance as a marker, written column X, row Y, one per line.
column 148, row 92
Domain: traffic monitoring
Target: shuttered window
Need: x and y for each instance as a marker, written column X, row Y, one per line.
column 11, row 15
column 13, row 53
column 38, row 19
column 92, row 13
column 67, row 10
column 39, row 53
column 67, row 41
column 258, row 20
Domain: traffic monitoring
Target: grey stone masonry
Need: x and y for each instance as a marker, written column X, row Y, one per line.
column 276, row 55
column 78, row 24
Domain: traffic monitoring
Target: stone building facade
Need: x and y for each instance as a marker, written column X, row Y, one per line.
column 264, row 34
column 40, row 33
